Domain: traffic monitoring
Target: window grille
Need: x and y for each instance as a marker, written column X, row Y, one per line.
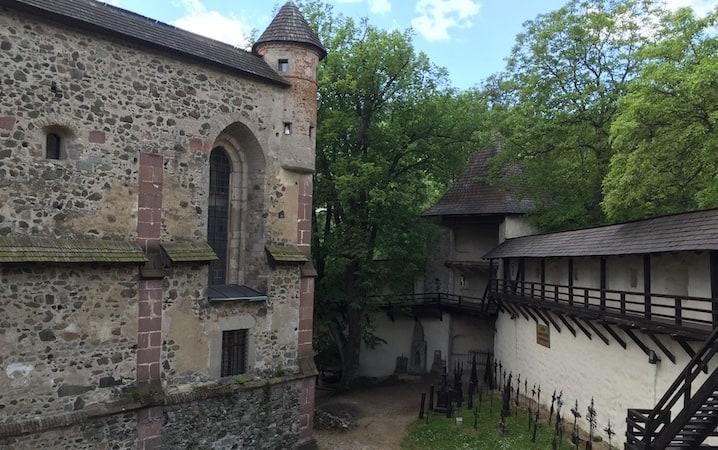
column 218, row 214
column 234, row 352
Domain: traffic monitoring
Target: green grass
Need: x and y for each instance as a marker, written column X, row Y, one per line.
column 440, row 433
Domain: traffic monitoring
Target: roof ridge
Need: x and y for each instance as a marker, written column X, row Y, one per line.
column 94, row 14
column 625, row 222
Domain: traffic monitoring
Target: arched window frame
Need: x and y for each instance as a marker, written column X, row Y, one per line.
column 236, row 227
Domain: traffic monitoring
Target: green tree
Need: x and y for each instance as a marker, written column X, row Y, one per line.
column 553, row 106
column 390, row 135
column 665, row 136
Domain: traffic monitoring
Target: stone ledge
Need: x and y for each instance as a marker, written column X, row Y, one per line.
column 218, row 389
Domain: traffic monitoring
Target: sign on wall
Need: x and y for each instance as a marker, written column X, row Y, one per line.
column 543, row 335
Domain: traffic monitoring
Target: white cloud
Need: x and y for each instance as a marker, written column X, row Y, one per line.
column 437, row 17
column 213, row 24
column 701, row 7
column 379, row 6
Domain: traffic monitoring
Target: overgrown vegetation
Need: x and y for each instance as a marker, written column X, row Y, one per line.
column 608, row 108
column 441, row 433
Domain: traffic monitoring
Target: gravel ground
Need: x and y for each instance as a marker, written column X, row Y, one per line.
column 383, row 414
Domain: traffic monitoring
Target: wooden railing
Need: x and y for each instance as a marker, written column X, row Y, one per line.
column 441, row 299
column 679, row 310
column 654, row 429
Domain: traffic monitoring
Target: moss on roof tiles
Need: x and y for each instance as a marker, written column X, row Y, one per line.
column 19, row 249
column 188, row 251
column 286, row 253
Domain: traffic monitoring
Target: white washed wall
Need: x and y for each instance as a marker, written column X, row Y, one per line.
column 618, row 379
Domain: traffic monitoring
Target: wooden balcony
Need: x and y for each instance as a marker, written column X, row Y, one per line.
column 680, row 316
column 434, row 303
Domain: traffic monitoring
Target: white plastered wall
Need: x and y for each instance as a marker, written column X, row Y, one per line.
column 617, row 379
column 381, row 360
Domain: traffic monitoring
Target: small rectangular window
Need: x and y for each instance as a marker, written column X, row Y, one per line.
column 287, row 127
column 234, row 352
column 283, row 65
column 53, row 146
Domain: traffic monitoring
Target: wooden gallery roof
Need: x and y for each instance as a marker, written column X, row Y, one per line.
column 470, row 196
column 691, row 231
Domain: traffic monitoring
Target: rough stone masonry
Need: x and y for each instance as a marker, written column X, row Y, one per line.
column 110, row 335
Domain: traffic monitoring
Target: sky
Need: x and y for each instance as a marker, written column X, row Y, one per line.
column 471, row 38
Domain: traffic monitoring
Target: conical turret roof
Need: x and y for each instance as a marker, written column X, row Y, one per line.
column 290, row 26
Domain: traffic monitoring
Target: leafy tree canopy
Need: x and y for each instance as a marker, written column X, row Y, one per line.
column 665, row 136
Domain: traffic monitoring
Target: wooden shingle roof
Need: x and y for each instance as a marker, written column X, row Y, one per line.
column 290, row 26
column 101, row 17
column 469, row 196
column 691, row 231
column 30, row 249
column 188, row 251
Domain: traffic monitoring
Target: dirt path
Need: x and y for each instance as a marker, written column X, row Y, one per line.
column 384, row 413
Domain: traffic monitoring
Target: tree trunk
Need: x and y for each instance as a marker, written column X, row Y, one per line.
column 352, row 347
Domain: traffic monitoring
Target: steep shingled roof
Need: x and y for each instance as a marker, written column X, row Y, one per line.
column 697, row 230
column 471, row 196
column 104, row 18
column 290, row 26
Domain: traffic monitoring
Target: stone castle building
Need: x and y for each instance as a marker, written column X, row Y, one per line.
column 155, row 219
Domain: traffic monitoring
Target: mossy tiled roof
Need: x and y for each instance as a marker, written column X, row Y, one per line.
column 286, row 253
column 19, row 249
column 189, row 251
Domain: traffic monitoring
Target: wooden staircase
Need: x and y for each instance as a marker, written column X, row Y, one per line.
column 697, row 420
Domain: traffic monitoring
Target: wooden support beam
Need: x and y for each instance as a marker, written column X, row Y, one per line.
column 539, row 315
column 567, row 324
column 685, row 346
column 528, row 311
column 647, row 286
column 553, row 322
column 598, row 333
column 663, row 348
column 511, row 311
column 570, row 281
column 638, row 342
column 615, row 335
column 543, row 278
column 714, row 285
column 518, row 308
column 603, row 285
column 688, row 349
column 579, row 325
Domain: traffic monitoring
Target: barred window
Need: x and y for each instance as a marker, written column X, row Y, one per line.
column 234, row 352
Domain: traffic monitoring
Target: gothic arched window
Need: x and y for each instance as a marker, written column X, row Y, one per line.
column 220, row 170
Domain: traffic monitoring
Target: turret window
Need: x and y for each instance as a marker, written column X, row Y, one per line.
column 287, row 127
column 283, row 65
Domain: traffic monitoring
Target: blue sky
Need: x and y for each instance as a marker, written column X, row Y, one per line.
column 471, row 38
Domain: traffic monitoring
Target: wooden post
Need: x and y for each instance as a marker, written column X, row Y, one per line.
column 603, row 283
column 543, row 278
column 507, row 273
column 714, row 286
column 492, row 276
column 522, row 269
column 570, row 281
column 647, row 285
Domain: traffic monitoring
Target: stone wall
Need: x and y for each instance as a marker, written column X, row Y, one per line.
column 261, row 418
column 138, row 126
column 117, row 432
column 67, row 337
